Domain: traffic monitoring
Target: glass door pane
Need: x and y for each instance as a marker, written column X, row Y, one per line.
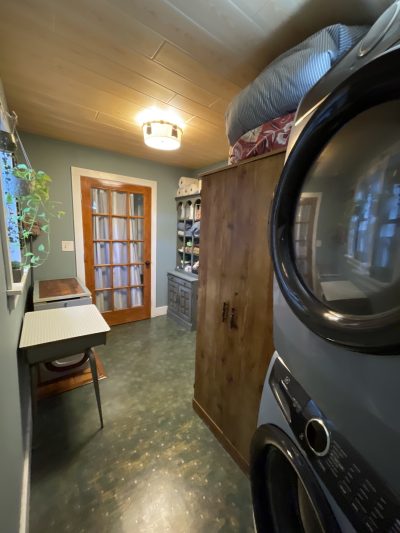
column 120, row 274
column 121, row 299
column 118, row 201
column 136, row 205
column 136, row 296
column 136, row 252
column 99, row 201
column 120, row 253
column 119, row 229
column 102, row 277
column 103, row 301
column 137, row 275
column 100, row 228
column 102, row 253
column 137, row 225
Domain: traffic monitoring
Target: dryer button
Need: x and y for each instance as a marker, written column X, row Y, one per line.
column 317, row 436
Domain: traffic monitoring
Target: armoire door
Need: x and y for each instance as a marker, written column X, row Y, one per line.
column 213, row 299
column 234, row 340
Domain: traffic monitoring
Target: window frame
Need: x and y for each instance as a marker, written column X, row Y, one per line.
column 12, row 288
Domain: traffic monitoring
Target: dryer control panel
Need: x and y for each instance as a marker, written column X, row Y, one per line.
column 367, row 502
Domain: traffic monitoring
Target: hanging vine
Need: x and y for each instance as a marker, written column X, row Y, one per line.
column 34, row 211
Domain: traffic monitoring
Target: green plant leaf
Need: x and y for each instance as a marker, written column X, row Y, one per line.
column 9, row 198
column 41, row 248
column 45, row 228
column 28, row 254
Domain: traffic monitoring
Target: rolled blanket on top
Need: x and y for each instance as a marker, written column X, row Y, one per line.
column 186, row 182
column 188, row 186
column 280, row 87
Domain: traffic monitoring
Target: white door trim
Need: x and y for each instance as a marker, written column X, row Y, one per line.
column 76, row 174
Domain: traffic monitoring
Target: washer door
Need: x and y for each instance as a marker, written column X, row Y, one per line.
column 287, row 497
column 335, row 226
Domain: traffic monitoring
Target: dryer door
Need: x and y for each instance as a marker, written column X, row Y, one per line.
column 335, row 231
column 286, row 495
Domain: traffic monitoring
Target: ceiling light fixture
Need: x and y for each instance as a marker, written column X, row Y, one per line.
column 162, row 129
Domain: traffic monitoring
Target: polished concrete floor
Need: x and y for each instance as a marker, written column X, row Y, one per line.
column 154, row 467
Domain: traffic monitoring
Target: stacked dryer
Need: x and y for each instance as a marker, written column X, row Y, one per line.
column 326, row 455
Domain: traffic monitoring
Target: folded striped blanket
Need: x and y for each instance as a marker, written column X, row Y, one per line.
column 280, row 87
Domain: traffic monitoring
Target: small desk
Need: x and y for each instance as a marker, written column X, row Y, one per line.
column 56, row 333
column 66, row 292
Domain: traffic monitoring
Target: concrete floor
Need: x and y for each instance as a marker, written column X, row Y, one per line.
column 154, row 467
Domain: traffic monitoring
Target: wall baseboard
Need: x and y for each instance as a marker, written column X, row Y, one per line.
column 242, row 462
column 159, row 311
column 26, row 476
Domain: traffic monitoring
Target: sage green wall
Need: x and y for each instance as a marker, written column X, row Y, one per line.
column 11, row 438
column 57, row 157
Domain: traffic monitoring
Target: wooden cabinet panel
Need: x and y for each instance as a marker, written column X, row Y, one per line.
column 233, row 354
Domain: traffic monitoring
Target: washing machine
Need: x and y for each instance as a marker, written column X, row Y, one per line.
column 326, row 454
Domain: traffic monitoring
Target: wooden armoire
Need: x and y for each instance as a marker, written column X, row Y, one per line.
column 234, row 322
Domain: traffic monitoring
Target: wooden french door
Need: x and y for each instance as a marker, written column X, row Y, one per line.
column 117, row 239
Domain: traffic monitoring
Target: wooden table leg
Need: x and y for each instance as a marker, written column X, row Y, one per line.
column 33, row 370
column 93, row 368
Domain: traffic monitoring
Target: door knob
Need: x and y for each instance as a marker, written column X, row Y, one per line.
column 147, row 263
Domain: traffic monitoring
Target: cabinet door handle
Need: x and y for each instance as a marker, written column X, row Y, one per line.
column 225, row 311
column 233, row 323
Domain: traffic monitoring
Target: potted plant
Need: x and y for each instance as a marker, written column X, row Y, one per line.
column 17, row 271
column 34, row 211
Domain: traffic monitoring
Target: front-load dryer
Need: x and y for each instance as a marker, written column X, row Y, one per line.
column 335, row 244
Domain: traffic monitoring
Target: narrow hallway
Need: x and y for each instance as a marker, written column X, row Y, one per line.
column 155, row 467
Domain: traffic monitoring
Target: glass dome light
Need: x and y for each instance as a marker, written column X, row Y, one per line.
column 162, row 135
column 162, row 128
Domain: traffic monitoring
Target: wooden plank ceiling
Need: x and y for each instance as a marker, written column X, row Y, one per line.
column 80, row 70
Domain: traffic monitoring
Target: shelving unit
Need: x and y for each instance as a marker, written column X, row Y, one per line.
column 183, row 281
column 188, row 234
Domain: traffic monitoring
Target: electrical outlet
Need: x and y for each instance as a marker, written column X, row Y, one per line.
column 67, row 246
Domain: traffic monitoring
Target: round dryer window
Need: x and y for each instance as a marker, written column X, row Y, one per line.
column 335, row 224
column 346, row 232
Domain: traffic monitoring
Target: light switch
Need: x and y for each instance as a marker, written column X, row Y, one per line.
column 67, row 246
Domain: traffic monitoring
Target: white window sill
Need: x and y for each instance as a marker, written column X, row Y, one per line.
column 18, row 288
